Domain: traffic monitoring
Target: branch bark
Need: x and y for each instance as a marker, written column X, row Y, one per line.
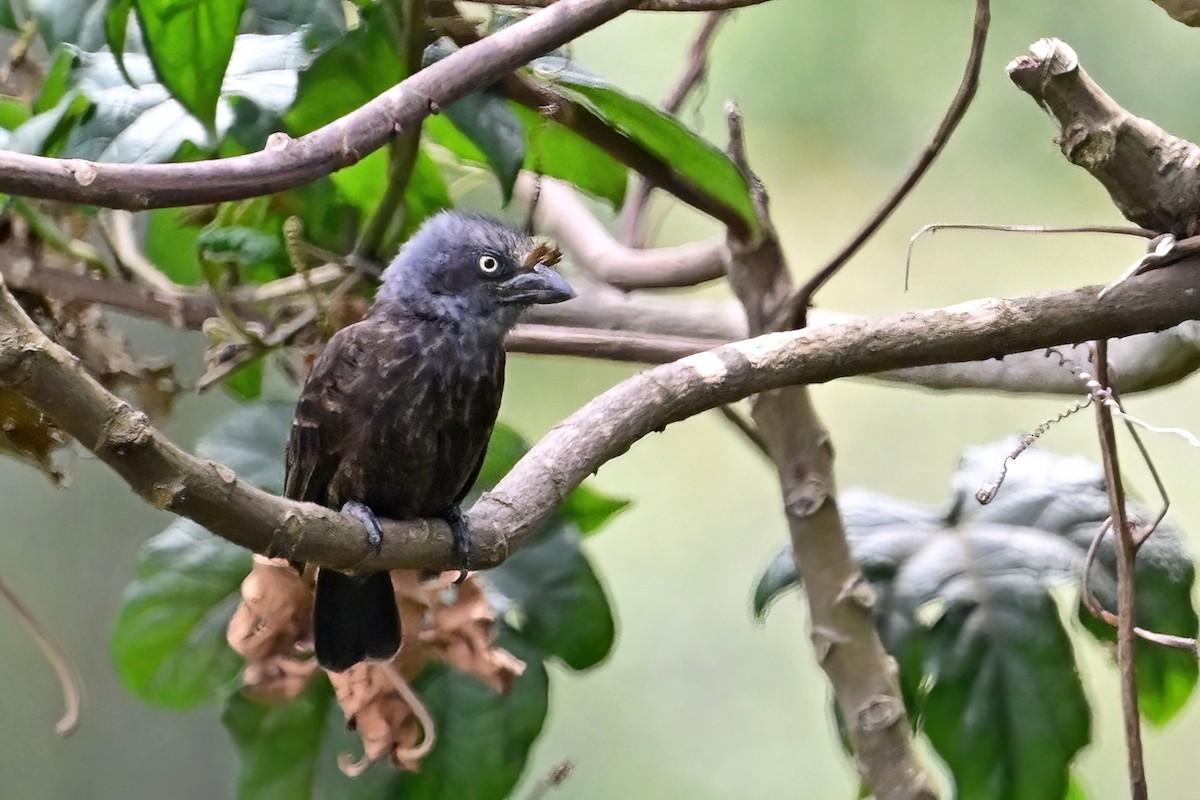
column 286, row 162
column 1152, row 177
column 502, row 520
column 863, row 676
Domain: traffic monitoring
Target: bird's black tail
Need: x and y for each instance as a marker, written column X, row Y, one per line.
column 354, row 619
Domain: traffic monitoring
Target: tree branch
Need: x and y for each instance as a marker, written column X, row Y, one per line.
column 1150, row 175
column 502, row 520
column 287, row 162
column 645, row 5
column 860, row 671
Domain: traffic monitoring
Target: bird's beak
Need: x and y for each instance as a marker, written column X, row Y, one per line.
column 542, row 284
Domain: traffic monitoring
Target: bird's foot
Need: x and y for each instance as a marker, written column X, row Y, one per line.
column 462, row 540
column 362, row 513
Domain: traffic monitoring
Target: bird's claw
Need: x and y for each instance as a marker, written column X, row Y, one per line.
column 362, row 513
column 462, row 541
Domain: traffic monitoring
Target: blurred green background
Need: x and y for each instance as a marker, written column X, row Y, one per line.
column 697, row 701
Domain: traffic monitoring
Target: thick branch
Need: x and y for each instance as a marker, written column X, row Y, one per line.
column 646, row 5
column 606, row 427
column 1152, row 176
column 286, row 162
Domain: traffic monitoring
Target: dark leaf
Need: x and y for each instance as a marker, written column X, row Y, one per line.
column 190, row 44
column 779, row 576
column 168, row 640
column 483, row 737
column 1067, row 497
column 1004, row 707
column 700, row 163
column 116, row 25
column 278, row 744
column 554, row 600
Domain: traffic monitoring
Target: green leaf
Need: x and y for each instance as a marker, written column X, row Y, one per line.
column 142, row 123
column 13, row 112
column 1067, row 496
column 250, row 440
column 168, row 640
column 278, row 744
column 57, row 82
column 559, row 152
column 116, row 24
column 555, row 600
column 700, row 163
column 171, row 245
column 361, row 65
column 591, row 509
column 483, row 737
column 257, row 253
column 246, row 382
column 486, row 120
column 965, row 603
column 779, row 576
column 190, row 44
column 1005, row 707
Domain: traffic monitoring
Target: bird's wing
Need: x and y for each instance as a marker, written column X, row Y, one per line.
column 325, row 427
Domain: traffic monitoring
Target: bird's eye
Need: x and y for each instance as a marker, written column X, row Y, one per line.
column 489, row 265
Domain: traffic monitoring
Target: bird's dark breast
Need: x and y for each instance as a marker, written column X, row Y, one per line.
column 395, row 416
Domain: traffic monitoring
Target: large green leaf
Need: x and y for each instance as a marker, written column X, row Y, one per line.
column 559, row 152
column 190, row 43
column 483, row 737
column 278, row 744
column 554, row 600
column 965, row 603
column 143, row 123
column 168, row 640
column 361, row 65
column 697, row 161
column 1004, row 705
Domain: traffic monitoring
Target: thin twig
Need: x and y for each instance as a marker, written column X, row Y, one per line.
column 645, row 5
column 798, row 311
column 117, row 228
column 1126, row 550
column 1092, row 603
column 934, row 227
column 68, row 678
column 693, row 73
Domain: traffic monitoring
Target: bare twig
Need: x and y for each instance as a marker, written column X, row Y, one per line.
column 693, row 73
column 798, row 310
column 934, row 227
column 68, row 678
column 117, row 227
column 746, row 428
column 1126, row 550
column 285, row 163
column 562, row 214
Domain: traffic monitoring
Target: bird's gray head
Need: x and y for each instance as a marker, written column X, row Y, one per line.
column 471, row 270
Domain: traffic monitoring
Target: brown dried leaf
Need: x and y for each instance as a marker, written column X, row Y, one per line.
column 272, row 629
column 462, row 636
column 388, row 717
column 29, row 435
column 275, row 616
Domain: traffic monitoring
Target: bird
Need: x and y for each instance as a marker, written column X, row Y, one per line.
column 396, row 412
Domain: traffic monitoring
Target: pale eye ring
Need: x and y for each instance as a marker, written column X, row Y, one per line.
column 489, row 264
